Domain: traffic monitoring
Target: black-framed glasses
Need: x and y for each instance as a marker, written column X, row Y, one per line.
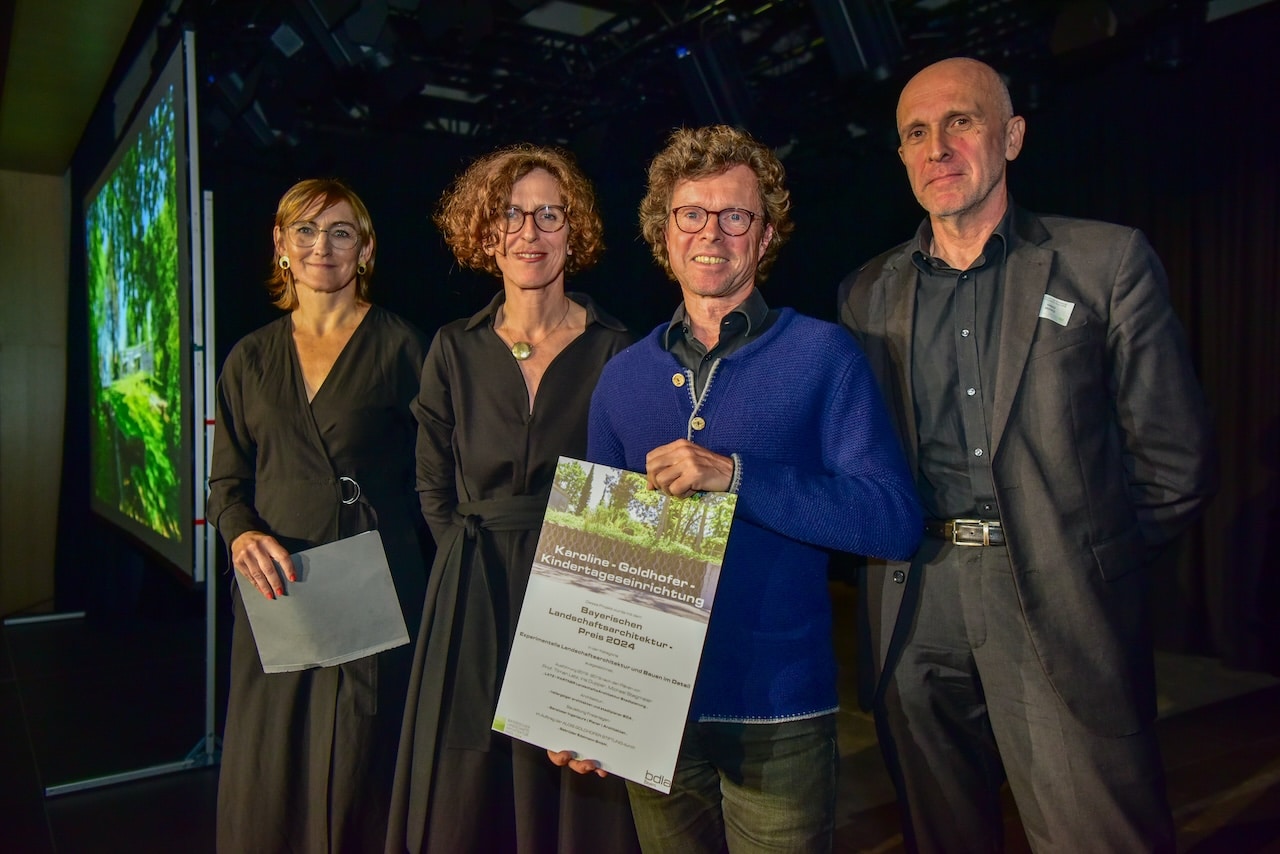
column 549, row 218
column 341, row 236
column 734, row 222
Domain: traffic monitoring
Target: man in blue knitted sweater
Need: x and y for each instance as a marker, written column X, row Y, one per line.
column 781, row 409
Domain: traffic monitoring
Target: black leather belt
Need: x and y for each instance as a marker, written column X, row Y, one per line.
column 966, row 532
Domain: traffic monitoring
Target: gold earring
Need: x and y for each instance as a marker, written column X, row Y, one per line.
column 361, row 268
column 284, row 262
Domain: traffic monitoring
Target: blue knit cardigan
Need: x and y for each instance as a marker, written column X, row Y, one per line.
column 818, row 467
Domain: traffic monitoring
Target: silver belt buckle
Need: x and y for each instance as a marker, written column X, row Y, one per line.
column 982, row 523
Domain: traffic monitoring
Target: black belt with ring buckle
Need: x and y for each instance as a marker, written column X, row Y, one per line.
column 355, row 487
column 966, row 532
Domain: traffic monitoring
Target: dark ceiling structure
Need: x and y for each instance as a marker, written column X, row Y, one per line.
column 278, row 73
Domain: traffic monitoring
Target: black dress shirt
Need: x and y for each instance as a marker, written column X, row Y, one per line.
column 953, row 375
column 746, row 322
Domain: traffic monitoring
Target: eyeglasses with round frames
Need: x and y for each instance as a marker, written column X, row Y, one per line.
column 306, row 234
column 734, row 222
column 549, row 218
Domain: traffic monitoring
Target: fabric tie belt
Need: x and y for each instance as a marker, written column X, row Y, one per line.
column 466, row 590
column 966, row 532
column 471, row 609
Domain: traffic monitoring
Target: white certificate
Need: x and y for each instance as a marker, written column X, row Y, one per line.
column 613, row 622
column 342, row 607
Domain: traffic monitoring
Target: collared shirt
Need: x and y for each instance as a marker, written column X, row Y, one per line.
column 953, row 375
column 740, row 326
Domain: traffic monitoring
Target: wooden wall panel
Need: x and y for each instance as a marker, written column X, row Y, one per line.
column 34, row 229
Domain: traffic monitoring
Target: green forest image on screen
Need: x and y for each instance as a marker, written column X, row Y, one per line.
column 135, row 321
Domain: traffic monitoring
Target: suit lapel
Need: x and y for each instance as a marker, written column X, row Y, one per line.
column 1026, row 281
column 899, row 318
column 899, row 307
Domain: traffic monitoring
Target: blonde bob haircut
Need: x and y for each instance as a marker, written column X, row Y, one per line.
column 469, row 210
column 696, row 153
column 294, row 204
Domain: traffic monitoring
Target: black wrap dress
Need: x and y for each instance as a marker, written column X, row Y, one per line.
column 485, row 468
column 308, row 756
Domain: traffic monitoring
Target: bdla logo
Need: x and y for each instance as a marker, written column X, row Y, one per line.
column 657, row 779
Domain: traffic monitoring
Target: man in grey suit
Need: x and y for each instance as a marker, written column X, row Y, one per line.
column 1042, row 388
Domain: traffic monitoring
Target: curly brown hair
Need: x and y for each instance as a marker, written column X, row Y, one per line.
column 469, row 209
column 295, row 202
column 695, row 153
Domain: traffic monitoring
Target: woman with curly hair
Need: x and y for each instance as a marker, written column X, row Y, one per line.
column 504, row 393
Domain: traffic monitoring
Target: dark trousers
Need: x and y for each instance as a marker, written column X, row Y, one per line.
column 763, row 788
column 968, row 705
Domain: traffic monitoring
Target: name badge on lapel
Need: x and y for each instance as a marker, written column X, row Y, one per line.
column 1057, row 310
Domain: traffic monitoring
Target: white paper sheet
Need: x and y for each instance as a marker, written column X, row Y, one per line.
column 342, row 607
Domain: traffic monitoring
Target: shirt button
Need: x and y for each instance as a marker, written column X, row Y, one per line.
column 964, row 333
column 677, row 380
column 970, row 392
column 899, row 576
column 697, row 423
column 977, row 452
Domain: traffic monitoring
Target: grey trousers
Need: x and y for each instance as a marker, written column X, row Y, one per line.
column 968, row 705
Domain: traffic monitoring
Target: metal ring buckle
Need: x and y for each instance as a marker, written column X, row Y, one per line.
column 955, row 531
column 342, row 481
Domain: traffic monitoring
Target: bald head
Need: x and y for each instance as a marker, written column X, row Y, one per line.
column 977, row 77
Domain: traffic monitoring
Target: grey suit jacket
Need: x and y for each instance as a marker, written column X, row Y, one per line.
column 1101, row 450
